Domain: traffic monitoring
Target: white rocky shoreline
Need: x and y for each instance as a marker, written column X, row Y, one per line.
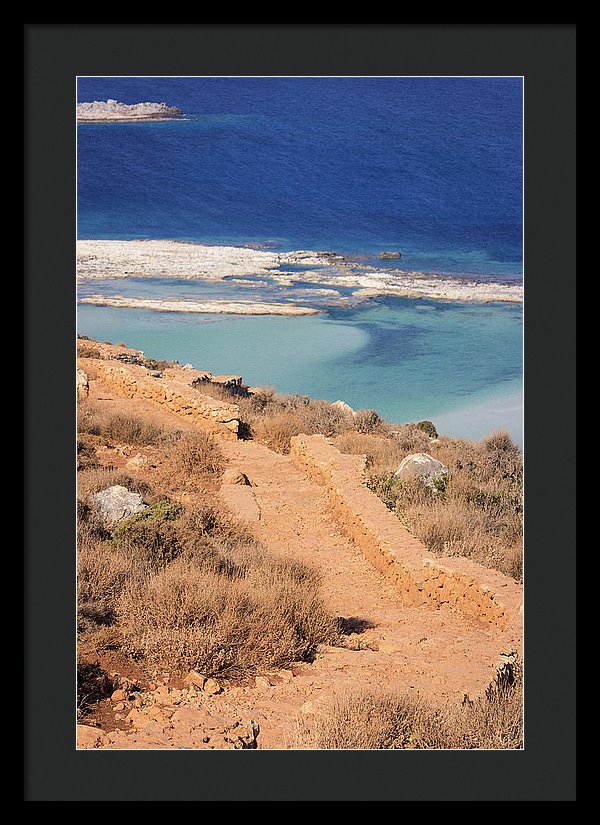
column 106, row 259
column 207, row 307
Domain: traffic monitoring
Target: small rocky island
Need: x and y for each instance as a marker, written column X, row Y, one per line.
column 112, row 110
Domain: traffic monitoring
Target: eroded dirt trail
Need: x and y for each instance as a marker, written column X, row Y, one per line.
column 438, row 654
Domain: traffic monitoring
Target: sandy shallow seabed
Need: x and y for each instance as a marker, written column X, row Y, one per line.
column 177, row 259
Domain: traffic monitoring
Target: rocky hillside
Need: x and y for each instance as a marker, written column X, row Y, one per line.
column 241, row 586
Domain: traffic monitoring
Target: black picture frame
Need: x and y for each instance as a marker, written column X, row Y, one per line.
column 55, row 54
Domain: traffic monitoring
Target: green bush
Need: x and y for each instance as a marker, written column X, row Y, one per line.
column 428, row 427
column 151, row 535
column 440, row 484
column 386, row 488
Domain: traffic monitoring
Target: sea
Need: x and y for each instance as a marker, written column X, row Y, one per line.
column 428, row 166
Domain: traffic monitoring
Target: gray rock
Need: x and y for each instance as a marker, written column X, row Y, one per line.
column 116, row 503
column 389, row 256
column 423, row 466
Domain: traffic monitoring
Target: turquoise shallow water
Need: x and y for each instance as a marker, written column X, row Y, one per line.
column 431, row 167
column 409, row 359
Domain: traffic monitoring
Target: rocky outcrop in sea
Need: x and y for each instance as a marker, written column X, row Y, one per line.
column 114, row 110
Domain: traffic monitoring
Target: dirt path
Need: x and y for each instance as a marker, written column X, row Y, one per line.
column 437, row 654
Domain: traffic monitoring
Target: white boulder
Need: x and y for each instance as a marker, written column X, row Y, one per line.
column 341, row 405
column 116, row 503
column 423, row 466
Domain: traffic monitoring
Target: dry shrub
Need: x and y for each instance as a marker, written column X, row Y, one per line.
column 442, row 528
column 383, row 454
column 273, row 419
column 383, row 720
column 189, row 460
column 93, row 480
column 491, row 722
column 189, row 587
column 455, row 528
column 361, row 721
column 188, row 617
column 114, row 427
column 274, row 429
column 126, row 429
column 102, row 573
column 87, row 351
column 88, row 415
column 86, row 454
column 217, row 543
column 496, row 459
column 325, row 419
column 110, row 559
column 368, row 421
column 93, row 684
column 411, row 438
column 386, row 446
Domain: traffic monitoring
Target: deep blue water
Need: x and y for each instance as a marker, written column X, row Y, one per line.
column 427, row 166
column 430, row 167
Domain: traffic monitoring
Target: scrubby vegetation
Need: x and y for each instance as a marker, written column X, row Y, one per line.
column 93, row 684
column 273, row 419
column 474, row 511
column 185, row 586
column 188, row 460
column 188, row 588
column 93, row 420
column 87, row 351
column 388, row 721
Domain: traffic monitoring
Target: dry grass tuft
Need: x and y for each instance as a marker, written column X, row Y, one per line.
column 293, row 416
column 387, row 721
column 383, row 454
column 116, row 428
column 189, row 461
column 275, row 430
column 189, row 587
column 230, row 623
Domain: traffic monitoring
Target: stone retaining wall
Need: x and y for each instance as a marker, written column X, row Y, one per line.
column 174, row 390
column 421, row 578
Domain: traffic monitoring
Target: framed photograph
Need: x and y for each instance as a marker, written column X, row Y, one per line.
column 302, row 303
